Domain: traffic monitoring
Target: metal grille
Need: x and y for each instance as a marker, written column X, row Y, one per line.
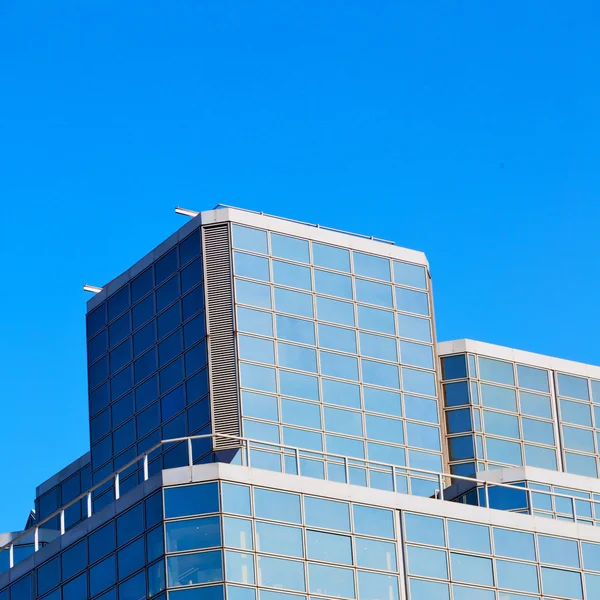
column 225, row 405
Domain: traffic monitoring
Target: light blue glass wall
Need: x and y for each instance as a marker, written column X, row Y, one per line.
column 336, row 351
column 498, row 414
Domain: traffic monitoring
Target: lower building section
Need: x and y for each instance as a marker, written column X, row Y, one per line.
column 223, row 531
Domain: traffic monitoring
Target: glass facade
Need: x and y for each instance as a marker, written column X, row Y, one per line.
column 147, row 370
column 336, row 353
column 498, row 414
column 346, row 414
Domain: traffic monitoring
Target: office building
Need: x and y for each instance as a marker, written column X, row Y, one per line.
column 273, row 418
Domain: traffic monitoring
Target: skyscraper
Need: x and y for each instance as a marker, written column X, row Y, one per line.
column 272, row 418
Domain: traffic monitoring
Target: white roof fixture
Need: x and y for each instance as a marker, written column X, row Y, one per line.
column 91, row 288
column 186, row 212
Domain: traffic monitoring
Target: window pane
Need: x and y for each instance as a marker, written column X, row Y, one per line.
column 376, row 319
column 501, row 424
column 375, row 554
column 412, row 275
column 423, row 436
column 333, row 284
column 424, row 530
column 191, row 569
column 255, row 321
column 331, row 257
column 193, row 534
column 418, row 382
column 257, row 349
column 373, row 521
column 561, row 583
column 575, row 412
column 281, row 573
column 251, row 266
column 558, row 551
column 279, row 539
column 335, row 311
column 343, row 421
column 504, row 452
column 517, row 576
column 291, row 275
column 376, row 586
column 238, row 533
column 498, row 397
column 417, row 355
column 471, row 569
column 191, row 500
column 533, row 379
column 421, row 589
column 295, row 330
column 371, row 292
column 296, row 357
column 496, row 371
column 411, row 301
column 467, row 536
column 338, row 365
column 581, row 464
column 301, row 413
column 368, row 265
column 380, row 373
column 278, row 506
column 291, row 248
column 377, row 346
column 254, row 294
column 239, row 567
column 295, row 303
column 341, row 393
column 574, row 387
column 332, row 581
column 385, row 429
column 382, row 401
column 535, row 405
column 329, row 547
column 236, row 499
column 427, row 562
column 258, row 378
column 337, row 338
column 538, row 431
column 296, row 384
column 328, row 514
column 260, row 406
column 421, row 409
column 246, row 238
column 415, row 328
column 454, row 367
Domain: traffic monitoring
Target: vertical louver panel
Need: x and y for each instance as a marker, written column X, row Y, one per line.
column 225, row 406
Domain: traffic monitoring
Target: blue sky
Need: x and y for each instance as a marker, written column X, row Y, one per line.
column 465, row 129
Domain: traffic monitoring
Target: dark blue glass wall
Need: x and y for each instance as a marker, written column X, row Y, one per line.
column 147, row 367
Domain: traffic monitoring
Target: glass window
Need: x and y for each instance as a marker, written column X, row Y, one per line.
column 236, row 499
column 261, row 431
column 190, row 500
column 279, row 506
column 382, row 401
column 575, row 412
column 517, row 576
column 279, row 539
column 258, row 378
column 581, row 464
column 417, row 355
column 544, row 458
column 538, row 431
column 418, row 382
column 333, row 284
column 343, row 421
column 335, row 311
column 292, row 248
column 574, row 387
column 301, row 413
column 345, row 446
column 421, row 589
column 193, row 534
column 376, row 586
column 385, row 429
column 377, row 346
column 412, row 275
column 423, row 436
column 456, row 394
column 558, row 551
column 460, row 592
column 101, row 542
column 260, row 406
column 295, row 330
column 375, row 554
column 498, row 397
column 535, row 405
column 338, row 365
column 411, row 301
column 557, row 582
column 130, row 524
column 332, row 581
column 257, row 349
column 467, row 536
column 239, row 567
column 421, row 409
column 301, row 438
column 299, row 385
column 255, row 321
column 329, row 514
column 189, row 247
column 369, row 520
column 48, row 576
column 591, row 556
column 424, row 530
column 74, row 590
column 254, row 294
column 427, row 562
column 592, row 585
column 368, row 265
column 192, row 569
column 295, row 303
column 291, row 275
column 371, row 292
column 340, row 393
column 454, row 367
column 142, row 284
column 461, row 447
column 471, row 569
column 254, row 267
column 386, row 454
column 501, row 424
column 378, row 373
column 376, row 319
column 329, row 547
column 496, row 370
column 533, row 379
column 238, row 533
column 458, row 421
column 415, row 328
column 337, row 338
column 281, row 573
column 502, row 451
column 331, row 257
column 296, row 357
column 246, row 238
column 129, row 559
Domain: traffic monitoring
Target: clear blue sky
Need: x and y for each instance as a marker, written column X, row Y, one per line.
column 466, row 129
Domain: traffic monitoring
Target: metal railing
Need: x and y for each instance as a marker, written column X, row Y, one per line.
column 256, row 212
column 251, row 450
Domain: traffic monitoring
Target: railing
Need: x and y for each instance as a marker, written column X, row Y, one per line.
column 256, row 212
column 252, row 453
